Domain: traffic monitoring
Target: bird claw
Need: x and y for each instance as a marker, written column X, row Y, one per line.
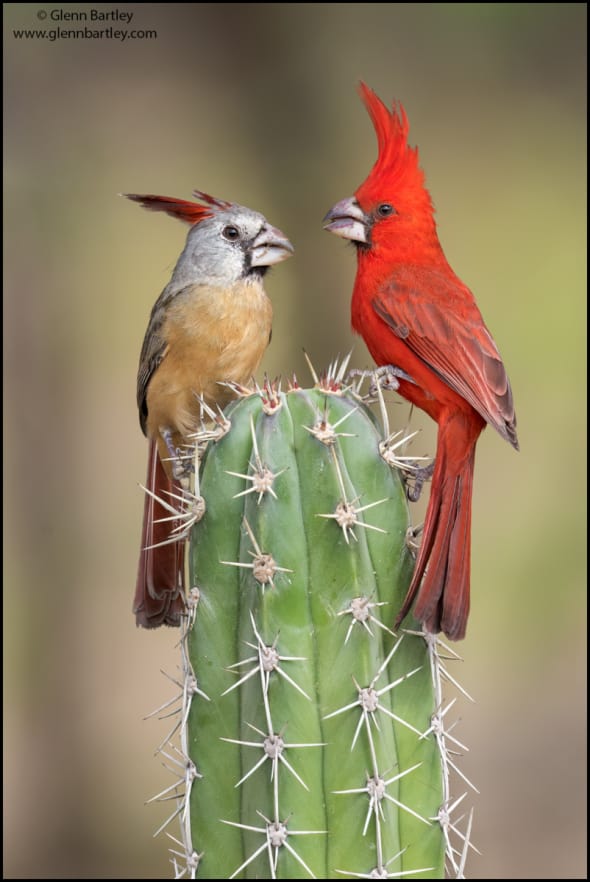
column 182, row 464
column 182, row 471
column 412, row 540
column 419, row 477
column 386, row 376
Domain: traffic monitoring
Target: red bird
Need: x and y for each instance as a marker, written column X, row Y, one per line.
column 211, row 324
column 414, row 313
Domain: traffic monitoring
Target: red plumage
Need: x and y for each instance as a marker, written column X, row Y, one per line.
column 189, row 212
column 415, row 313
column 159, row 594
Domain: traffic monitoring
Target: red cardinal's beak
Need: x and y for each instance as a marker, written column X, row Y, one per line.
column 348, row 220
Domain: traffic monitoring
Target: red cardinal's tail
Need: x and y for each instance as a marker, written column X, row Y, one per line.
column 159, row 593
column 440, row 583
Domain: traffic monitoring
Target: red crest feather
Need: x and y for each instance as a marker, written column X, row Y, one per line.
column 396, row 169
column 189, row 212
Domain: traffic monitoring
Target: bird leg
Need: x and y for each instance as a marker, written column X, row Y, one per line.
column 387, row 376
column 180, row 471
column 419, row 475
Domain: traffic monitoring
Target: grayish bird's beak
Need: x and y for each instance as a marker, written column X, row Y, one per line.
column 270, row 246
column 348, row 220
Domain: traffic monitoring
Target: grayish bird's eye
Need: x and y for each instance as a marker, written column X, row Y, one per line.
column 385, row 209
column 231, row 233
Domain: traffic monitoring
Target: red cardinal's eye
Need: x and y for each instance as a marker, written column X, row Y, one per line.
column 231, row 233
column 385, row 209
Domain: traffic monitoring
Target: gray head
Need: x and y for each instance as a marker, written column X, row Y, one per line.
column 226, row 243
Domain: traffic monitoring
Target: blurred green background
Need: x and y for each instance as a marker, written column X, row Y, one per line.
column 257, row 103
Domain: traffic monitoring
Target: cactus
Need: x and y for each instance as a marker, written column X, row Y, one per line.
column 305, row 727
column 309, row 728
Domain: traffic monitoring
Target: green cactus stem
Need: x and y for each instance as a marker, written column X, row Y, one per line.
column 310, row 742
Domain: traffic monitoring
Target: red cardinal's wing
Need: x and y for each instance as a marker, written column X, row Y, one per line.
column 437, row 318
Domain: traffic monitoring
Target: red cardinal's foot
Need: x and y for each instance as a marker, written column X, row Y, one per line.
column 419, row 477
column 386, row 376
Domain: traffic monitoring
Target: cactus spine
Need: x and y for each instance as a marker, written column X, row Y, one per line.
column 305, row 724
